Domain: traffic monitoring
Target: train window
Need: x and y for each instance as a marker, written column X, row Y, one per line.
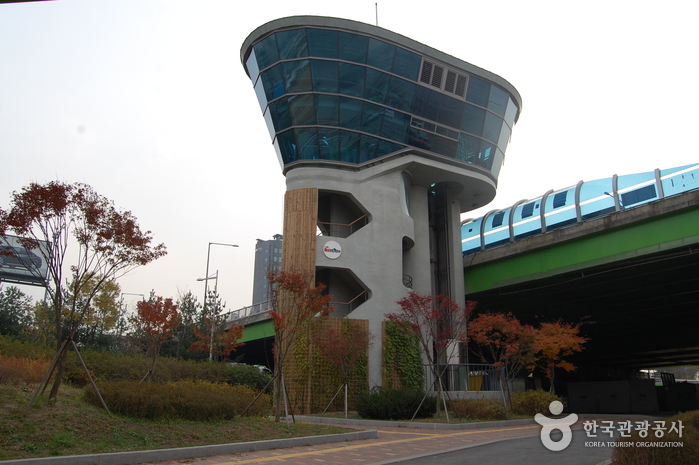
column 638, row 196
column 528, row 210
column 559, row 199
column 497, row 219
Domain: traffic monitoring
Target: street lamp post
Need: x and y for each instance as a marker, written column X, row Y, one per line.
column 206, row 291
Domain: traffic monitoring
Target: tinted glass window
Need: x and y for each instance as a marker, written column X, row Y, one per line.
column 298, row 76
column 329, row 143
column 478, row 91
column 302, row 110
column 351, row 80
column 376, row 86
column 287, row 146
column 368, row 148
column 327, row 109
column 444, row 146
column 559, row 200
column 511, row 112
column 353, row 47
column 638, row 195
column 381, row 55
column 266, row 52
column 307, row 140
column 425, row 103
column 504, row 136
column 497, row 101
column 400, row 94
column 468, row 148
column 387, row 147
column 349, row 146
column 491, row 131
column 273, row 83
column 451, row 111
column 292, row 44
column 322, row 43
column 350, row 113
column 497, row 219
column 407, row 64
column 325, row 76
column 395, row 125
column 280, row 115
column 371, row 121
column 473, row 119
column 528, row 210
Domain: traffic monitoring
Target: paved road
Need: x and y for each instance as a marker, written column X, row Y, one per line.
column 521, row 451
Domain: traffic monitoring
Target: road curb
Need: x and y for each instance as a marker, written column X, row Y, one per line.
column 412, row 424
column 136, row 457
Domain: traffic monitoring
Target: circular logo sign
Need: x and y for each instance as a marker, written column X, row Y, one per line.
column 332, row 250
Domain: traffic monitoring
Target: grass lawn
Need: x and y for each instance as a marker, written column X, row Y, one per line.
column 73, row 427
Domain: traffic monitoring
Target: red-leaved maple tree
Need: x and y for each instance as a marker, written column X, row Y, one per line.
column 503, row 342
column 297, row 306
column 156, row 320
column 553, row 342
column 104, row 243
column 224, row 341
column 438, row 322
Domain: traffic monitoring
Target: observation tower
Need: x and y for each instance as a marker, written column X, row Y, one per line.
column 384, row 142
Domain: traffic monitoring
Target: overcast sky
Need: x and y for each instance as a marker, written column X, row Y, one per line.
column 147, row 101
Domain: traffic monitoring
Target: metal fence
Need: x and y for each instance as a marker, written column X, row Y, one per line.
column 262, row 307
column 464, row 377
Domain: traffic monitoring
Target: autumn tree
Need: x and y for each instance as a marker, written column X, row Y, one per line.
column 343, row 349
column 503, row 342
column 297, row 306
column 105, row 243
column 439, row 323
column 96, row 318
column 553, row 342
column 189, row 310
column 155, row 320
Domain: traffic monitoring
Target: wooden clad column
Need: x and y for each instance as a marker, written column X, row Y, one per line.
column 300, row 223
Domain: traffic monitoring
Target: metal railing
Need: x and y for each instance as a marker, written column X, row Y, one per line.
column 255, row 309
column 407, row 281
column 352, row 304
column 464, row 377
column 342, row 230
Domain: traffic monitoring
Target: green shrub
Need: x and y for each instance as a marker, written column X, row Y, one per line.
column 390, row 404
column 688, row 454
column 532, row 402
column 187, row 400
column 479, row 409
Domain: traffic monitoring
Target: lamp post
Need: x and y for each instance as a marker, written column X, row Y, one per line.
column 206, row 291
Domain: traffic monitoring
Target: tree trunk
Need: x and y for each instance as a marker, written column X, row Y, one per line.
column 60, row 370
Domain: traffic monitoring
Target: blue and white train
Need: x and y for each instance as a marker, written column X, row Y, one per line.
column 584, row 201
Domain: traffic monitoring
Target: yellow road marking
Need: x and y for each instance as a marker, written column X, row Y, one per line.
column 374, row 444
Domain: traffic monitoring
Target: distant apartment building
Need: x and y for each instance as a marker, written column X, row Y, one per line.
column 268, row 258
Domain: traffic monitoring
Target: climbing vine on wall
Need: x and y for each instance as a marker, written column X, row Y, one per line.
column 402, row 359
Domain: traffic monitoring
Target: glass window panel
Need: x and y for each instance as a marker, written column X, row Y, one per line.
column 269, row 123
column 468, row 149
column 279, row 112
column 298, row 76
column 504, row 136
column 497, row 163
column 486, row 155
column 444, row 146
column 425, row 102
column 353, row 47
column 251, row 65
column 381, row 55
column 260, row 92
column 451, row 111
column 349, row 146
column 307, row 143
column 325, row 76
column 371, row 121
column 511, row 112
column 473, row 119
column 322, row 43
column 420, row 139
column 273, row 83
column 395, row 125
column 491, row 130
column 478, row 91
column 387, row 147
column 400, row 94
column 497, row 101
column 368, row 148
column 327, row 109
column 287, row 146
column 351, row 80
column 266, row 52
column 350, row 113
column 329, row 143
column 376, row 86
column 292, row 44
column 302, row 110
column 407, row 64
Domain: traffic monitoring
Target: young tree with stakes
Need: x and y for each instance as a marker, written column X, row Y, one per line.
column 439, row 323
column 155, row 320
column 108, row 243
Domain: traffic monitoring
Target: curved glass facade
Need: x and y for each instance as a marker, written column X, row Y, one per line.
column 335, row 95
